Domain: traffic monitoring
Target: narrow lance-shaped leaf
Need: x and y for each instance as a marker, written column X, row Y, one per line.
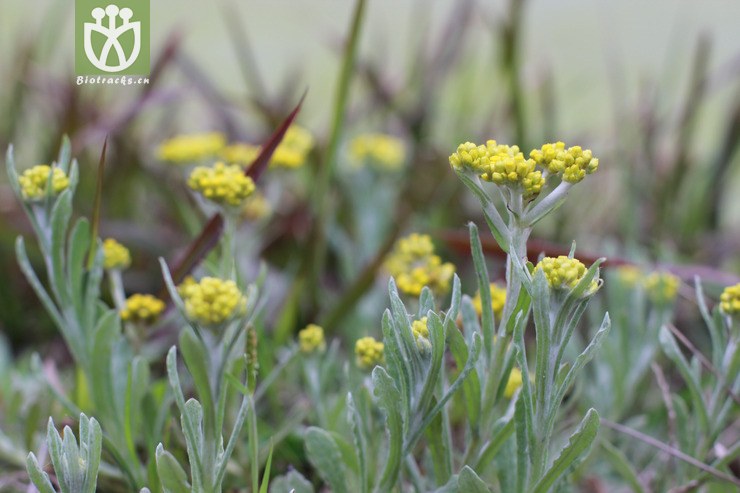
column 325, row 456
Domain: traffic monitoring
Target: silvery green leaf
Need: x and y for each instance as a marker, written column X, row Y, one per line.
column 389, row 399
column 484, row 289
column 171, row 474
column 395, row 357
column 38, row 477
column 578, row 444
column 437, row 338
column 360, row 442
column 472, row 385
column 291, row 482
column 426, row 301
column 469, row 482
column 60, row 216
column 323, row 453
column 495, row 222
column 523, row 445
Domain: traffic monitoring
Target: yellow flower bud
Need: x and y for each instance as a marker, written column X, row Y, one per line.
column 115, row 255
column 222, row 184
column 565, row 273
column 384, row 151
column 661, row 287
column 414, row 265
column 184, row 149
column 311, row 339
column 729, row 300
column 142, row 309
column 212, row 301
column 369, row 353
column 33, row 182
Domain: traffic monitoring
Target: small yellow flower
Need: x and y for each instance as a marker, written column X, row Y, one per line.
column 369, row 353
column 574, row 163
column 222, row 184
column 661, row 287
column 471, row 156
column 186, row 287
column 293, row 149
column 115, row 255
column 384, row 151
column 514, row 383
column 142, row 309
column 212, row 301
column 256, row 207
column 414, row 265
column 33, row 182
column 498, row 299
column 185, row 149
column 729, row 300
column 311, row 339
column 565, row 273
column 239, row 153
column 420, row 329
column 629, row 275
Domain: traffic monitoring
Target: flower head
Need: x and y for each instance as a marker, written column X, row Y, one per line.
column 729, row 300
column 629, row 275
column 661, row 287
column 142, row 308
column 514, row 383
column 185, row 149
column 384, row 151
column 293, row 149
column 33, row 182
column 498, row 299
column 369, row 353
column 311, row 339
column 222, row 184
column 420, row 330
column 239, row 153
column 565, row 273
column 115, row 255
column 414, row 265
column 212, row 301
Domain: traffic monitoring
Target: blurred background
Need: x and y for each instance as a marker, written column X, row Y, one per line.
column 653, row 88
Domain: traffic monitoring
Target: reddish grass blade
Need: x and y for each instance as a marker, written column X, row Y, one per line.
column 96, row 207
column 209, row 237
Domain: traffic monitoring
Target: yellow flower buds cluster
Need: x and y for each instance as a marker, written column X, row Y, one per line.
column 574, row 163
column 629, row 275
column 211, row 301
column 311, row 339
column 185, row 149
column 256, row 207
column 514, row 383
column 239, row 153
column 729, row 300
column 498, row 299
column 384, row 151
column 222, row 184
column 368, row 352
column 142, row 309
column 293, row 149
column 115, row 255
column 33, row 182
column 420, row 329
column 506, row 165
column 414, row 265
column 661, row 287
column 564, row 273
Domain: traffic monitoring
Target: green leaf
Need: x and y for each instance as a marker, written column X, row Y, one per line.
column 171, row 474
column 91, row 446
column 291, row 482
column 621, row 465
column 437, row 338
column 323, row 453
column 671, row 349
column 523, row 449
column 238, row 424
column 426, row 301
column 495, row 222
column 389, row 398
column 266, row 475
column 484, row 288
column 197, row 359
column 578, row 444
column 395, row 357
column 469, row 482
column 79, row 241
column 105, row 335
column 360, row 441
column 60, row 216
column 471, row 386
column 38, row 477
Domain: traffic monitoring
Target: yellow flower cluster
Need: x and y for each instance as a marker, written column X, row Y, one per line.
column 629, row 275
column 212, row 300
column 115, row 255
column 564, row 273
column 311, row 339
column 256, row 207
column 514, row 383
column 414, row 265
column 661, row 287
column 729, row 300
column 33, row 182
column 420, row 329
column 369, row 353
column 293, row 149
column 574, row 163
column 239, row 153
column 142, row 308
column 506, row 165
column 498, row 299
column 185, row 149
column 384, row 151
column 222, row 184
